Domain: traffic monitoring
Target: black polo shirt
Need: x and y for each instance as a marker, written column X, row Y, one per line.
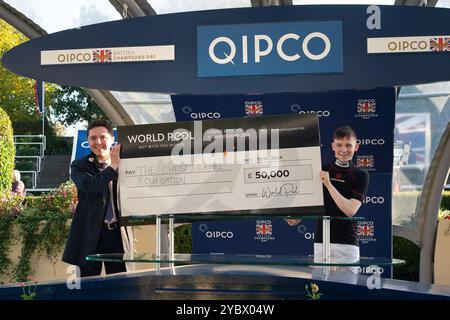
column 351, row 182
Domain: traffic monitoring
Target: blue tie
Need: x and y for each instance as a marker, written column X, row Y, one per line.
column 109, row 211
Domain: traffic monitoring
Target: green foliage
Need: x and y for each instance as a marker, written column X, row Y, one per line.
column 406, row 250
column 29, row 290
column 6, row 240
column 26, row 150
column 29, row 225
column 7, row 152
column 10, row 206
column 24, row 165
column 183, row 239
column 42, row 227
column 16, row 92
column 445, row 202
column 71, row 105
column 444, row 214
column 27, row 181
column 313, row 294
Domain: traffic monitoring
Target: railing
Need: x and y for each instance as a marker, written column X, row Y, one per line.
column 39, row 191
column 42, row 143
column 38, row 161
column 33, row 178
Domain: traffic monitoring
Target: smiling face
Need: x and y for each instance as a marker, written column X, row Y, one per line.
column 100, row 141
column 344, row 148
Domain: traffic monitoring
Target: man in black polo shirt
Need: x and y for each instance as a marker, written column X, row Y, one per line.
column 344, row 189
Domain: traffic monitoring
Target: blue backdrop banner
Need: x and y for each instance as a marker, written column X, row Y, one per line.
column 369, row 112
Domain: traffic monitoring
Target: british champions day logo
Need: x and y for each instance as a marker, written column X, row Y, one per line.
column 436, row 44
column 366, row 231
column 270, row 48
column 365, row 162
column 253, row 108
column 366, row 109
column 264, row 230
column 108, row 55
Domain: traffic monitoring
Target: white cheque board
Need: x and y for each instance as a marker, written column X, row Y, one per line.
column 251, row 179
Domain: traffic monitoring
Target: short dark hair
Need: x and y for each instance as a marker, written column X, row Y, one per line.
column 101, row 123
column 344, row 132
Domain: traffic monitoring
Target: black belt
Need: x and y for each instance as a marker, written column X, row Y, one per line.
column 111, row 225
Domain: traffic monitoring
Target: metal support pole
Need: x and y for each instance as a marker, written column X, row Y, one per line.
column 171, row 243
column 326, row 239
column 158, row 241
column 326, row 245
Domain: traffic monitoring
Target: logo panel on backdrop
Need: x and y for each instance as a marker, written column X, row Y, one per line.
column 270, row 48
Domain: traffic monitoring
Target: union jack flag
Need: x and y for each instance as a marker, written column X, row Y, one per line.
column 263, row 228
column 101, row 56
column 366, row 106
column 364, row 162
column 253, row 109
column 440, row 44
column 366, row 231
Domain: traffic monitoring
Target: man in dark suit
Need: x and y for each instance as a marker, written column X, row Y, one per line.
column 95, row 226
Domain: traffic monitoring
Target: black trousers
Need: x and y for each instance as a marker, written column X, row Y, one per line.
column 110, row 242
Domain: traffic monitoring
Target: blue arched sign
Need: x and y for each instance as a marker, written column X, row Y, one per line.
column 247, row 50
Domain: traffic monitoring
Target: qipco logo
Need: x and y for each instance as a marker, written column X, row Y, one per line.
column 215, row 234
column 374, row 200
column 320, row 113
column 263, row 45
column 200, row 115
column 373, row 142
column 371, row 269
column 270, row 48
column 302, row 229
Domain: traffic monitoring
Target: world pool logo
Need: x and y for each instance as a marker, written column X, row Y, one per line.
column 270, row 48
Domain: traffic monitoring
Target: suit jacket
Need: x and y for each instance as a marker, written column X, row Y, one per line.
column 93, row 194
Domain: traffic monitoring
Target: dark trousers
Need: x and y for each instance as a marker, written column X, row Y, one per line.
column 110, row 242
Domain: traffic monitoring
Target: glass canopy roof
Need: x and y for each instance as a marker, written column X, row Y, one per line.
column 172, row 6
column 443, row 4
column 54, row 15
column 368, row 2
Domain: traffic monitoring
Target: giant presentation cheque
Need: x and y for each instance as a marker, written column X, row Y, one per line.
column 260, row 165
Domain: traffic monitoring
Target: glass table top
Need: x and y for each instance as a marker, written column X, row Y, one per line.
column 182, row 218
column 252, row 259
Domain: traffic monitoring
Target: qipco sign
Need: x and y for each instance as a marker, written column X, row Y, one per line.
column 270, row 48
